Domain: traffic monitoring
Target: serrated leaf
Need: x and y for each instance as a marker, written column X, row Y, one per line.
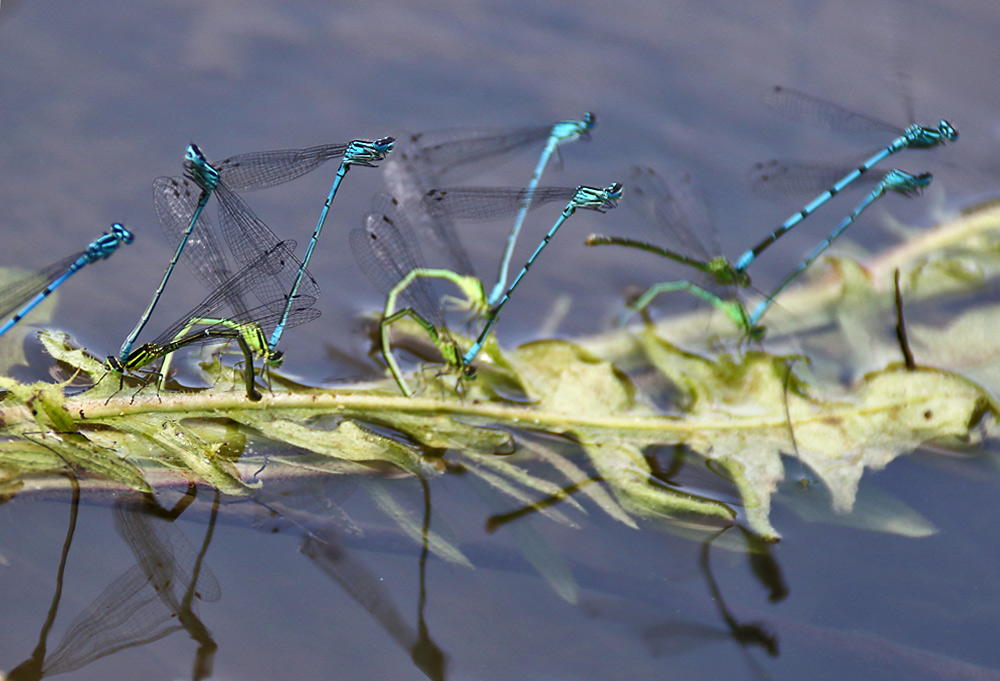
column 741, row 411
column 888, row 414
column 19, row 457
column 891, row 413
column 55, row 453
column 58, row 345
column 569, row 379
column 44, row 401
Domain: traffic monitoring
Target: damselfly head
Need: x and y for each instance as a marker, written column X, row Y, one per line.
column 194, row 155
column 119, row 231
column 586, row 124
column 947, row 130
column 614, row 195
column 199, row 170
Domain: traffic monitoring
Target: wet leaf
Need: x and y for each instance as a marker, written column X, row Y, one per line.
column 502, row 483
column 568, row 379
column 967, row 346
column 741, row 412
column 626, row 471
column 183, row 448
column 746, row 414
column 578, row 383
column 12, row 342
column 577, row 477
column 346, row 441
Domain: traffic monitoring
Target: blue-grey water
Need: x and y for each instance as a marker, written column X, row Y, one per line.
column 98, row 98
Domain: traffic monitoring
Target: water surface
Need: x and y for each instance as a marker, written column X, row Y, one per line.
column 98, row 98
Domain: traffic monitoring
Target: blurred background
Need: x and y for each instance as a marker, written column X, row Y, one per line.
column 98, row 99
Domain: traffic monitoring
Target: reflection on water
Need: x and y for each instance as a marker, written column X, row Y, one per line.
column 149, row 601
column 156, row 597
column 33, row 667
column 322, row 546
column 661, row 599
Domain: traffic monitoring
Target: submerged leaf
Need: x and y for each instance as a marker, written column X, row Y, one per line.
column 55, row 453
column 444, row 431
column 501, row 482
column 12, row 342
column 967, row 345
column 581, row 481
column 891, row 413
column 625, row 469
column 403, row 517
column 746, row 415
column 578, row 383
column 874, row 510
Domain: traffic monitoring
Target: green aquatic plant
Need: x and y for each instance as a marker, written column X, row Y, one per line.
column 740, row 413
